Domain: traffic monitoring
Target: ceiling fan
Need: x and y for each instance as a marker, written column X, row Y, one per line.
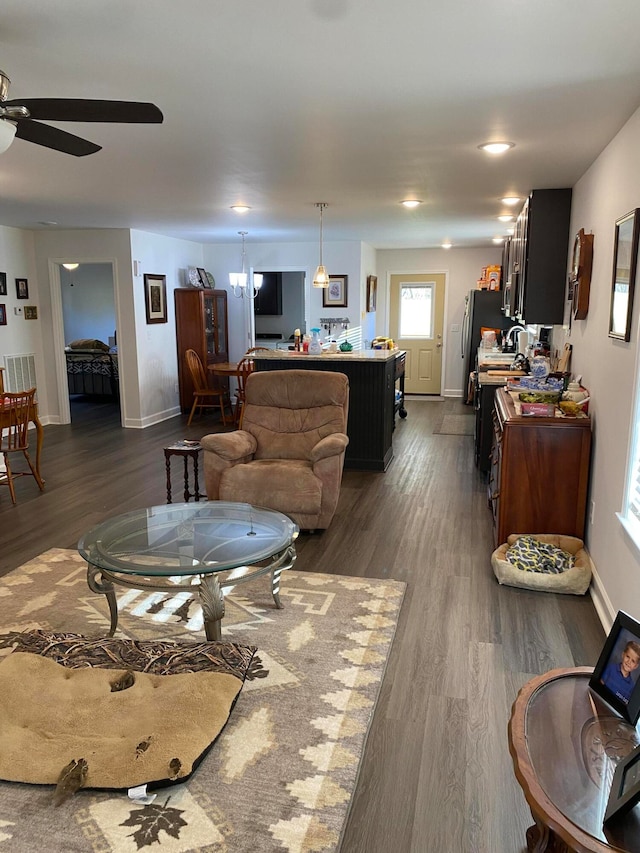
column 21, row 118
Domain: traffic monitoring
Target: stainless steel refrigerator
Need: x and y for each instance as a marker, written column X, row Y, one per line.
column 482, row 309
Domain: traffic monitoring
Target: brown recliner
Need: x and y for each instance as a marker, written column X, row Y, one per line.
column 289, row 453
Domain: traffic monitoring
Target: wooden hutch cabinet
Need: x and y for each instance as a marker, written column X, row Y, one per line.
column 539, row 473
column 201, row 325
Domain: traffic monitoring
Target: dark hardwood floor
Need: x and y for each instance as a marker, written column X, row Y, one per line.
column 436, row 776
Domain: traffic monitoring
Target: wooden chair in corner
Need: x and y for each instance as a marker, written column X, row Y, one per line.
column 204, row 397
column 245, row 368
column 15, row 412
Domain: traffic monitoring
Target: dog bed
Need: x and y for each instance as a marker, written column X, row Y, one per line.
column 573, row 581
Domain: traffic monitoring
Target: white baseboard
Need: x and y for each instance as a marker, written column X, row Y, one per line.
column 150, row 420
column 601, row 601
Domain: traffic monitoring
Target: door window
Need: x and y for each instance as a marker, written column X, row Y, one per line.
column 417, row 305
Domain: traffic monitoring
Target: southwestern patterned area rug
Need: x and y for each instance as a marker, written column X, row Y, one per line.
column 280, row 777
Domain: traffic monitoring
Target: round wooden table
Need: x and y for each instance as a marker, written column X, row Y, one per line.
column 565, row 743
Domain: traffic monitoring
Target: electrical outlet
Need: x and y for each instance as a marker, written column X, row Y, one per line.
column 19, row 311
column 593, row 512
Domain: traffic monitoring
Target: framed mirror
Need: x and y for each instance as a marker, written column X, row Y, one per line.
column 625, row 256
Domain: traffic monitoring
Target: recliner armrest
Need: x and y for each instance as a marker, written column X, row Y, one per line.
column 330, row 445
column 230, row 446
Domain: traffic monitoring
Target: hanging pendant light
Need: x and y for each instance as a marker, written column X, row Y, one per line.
column 321, row 278
column 238, row 280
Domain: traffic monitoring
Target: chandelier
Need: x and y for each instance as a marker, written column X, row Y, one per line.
column 238, row 280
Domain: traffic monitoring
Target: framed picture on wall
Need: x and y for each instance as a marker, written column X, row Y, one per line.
column 372, row 287
column 3, row 314
column 155, row 297
column 625, row 258
column 3, row 284
column 335, row 296
column 30, row 312
column 22, row 288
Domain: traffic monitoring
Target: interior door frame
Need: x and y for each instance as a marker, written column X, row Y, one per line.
column 249, row 316
column 445, row 314
column 57, row 319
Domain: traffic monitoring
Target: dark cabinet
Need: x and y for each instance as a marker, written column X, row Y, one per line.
column 539, row 473
column 268, row 300
column 537, row 254
column 201, row 325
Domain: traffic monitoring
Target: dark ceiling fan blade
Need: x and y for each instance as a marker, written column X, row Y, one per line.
column 79, row 109
column 51, row 137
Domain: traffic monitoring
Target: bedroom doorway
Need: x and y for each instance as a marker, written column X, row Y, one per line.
column 89, row 374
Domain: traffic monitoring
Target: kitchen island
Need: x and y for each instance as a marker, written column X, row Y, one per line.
column 372, row 378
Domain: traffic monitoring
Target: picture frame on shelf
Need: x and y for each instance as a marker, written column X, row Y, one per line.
column 22, row 288
column 616, row 676
column 202, row 274
column 155, row 297
column 30, row 312
column 625, row 259
column 625, row 786
column 335, row 295
column 3, row 314
column 3, row 284
column 372, row 287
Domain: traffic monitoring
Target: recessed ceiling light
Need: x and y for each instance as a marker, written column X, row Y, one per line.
column 498, row 239
column 411, row 202
column 447, row 245
column 505, row 217
column 240, row 208
column 510, row 200
column 496, row 147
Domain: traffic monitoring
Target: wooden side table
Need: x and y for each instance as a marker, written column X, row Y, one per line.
column 187, row 450
column 565, row 743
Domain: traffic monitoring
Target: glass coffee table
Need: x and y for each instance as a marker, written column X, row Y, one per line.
column 189, row 546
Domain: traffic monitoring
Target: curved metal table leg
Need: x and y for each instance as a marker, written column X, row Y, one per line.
column 285, row 562
column 212, row 602
column 105, row 586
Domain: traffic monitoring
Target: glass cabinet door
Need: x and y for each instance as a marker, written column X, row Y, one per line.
column 210, row 326
column 220, row 313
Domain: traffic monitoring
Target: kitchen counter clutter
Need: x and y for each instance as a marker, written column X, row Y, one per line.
column 372, row 375
column 539, row 472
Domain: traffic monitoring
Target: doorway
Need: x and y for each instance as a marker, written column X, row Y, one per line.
column 280, row 307
column 416, row 324
column 84, row 315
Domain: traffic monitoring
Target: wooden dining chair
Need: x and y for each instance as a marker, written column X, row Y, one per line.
column 246, row 367
column 204, row 397
column 15, row 411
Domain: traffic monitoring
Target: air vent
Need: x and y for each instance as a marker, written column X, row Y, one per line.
column 20, row 372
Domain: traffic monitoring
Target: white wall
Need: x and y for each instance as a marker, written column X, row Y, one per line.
column 88, row 304
column 463, row 268
column 20, row 336
column 339, row 258
column 607, row 191
column 156, row 343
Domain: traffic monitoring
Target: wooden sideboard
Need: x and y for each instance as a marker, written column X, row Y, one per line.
column 539, row 472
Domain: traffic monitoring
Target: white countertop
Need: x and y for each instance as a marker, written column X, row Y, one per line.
column 354, row 355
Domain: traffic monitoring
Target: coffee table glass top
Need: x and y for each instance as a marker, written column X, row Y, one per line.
column 187, row 539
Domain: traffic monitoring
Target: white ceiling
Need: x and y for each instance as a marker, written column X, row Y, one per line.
column 283, row 103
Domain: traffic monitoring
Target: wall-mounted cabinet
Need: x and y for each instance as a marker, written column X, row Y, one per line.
column 268, row 301
column 536, row 255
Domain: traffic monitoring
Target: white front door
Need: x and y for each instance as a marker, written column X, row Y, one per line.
column 416, row 323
